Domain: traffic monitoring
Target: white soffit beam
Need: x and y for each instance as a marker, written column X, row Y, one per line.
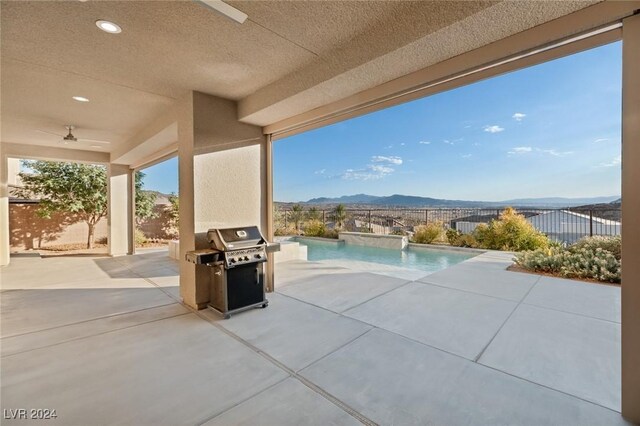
column 38, row 152
column 587, row 28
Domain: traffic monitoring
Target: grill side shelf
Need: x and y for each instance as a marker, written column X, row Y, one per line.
column 204, row 256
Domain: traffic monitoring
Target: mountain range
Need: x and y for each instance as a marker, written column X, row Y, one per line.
column 398, row 200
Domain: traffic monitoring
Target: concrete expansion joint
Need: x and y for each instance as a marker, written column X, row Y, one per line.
column 293, row 374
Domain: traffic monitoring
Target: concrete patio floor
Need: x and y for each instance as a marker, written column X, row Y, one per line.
column 107, row 341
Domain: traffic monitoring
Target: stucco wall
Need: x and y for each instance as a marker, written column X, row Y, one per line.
column 27, row 230
column 228, row 188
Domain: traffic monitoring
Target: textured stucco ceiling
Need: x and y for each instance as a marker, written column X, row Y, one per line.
column 288, row 57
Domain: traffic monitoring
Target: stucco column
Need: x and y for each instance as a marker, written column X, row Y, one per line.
column 222, row 181
column 630, row 215
column 4, row 209
column 120, row 209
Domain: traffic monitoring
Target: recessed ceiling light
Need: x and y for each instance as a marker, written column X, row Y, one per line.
column 80, row 99
column 108, row 27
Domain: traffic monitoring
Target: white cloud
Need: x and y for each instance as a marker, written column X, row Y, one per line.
column 402, row 144
column 616, row 161
column 518, row 116
column 379, row 167
column 476, row 144
column 320, row 172
column 383, row 159
column 493, row 129
column 372, row 172
column 520, row 150
column 424, row 143
column 600, row 140
column 466, row 156
column 448, row 142
column 556, row 153
column 467, row 127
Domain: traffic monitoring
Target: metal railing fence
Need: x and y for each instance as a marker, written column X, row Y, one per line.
column 563, row 225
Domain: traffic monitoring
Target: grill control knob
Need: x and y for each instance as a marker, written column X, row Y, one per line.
column 258, row 256
column 232, row 260
column 246, row 258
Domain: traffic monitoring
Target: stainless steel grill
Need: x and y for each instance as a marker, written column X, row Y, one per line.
column 236, row 260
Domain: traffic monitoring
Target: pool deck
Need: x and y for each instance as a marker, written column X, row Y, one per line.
column 107, row 341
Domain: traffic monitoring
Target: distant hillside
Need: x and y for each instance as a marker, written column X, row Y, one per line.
column 398, row 200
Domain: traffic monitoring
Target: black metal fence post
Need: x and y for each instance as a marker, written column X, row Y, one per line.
column 426, row 216
column 591, row 223
column 285, row 219
column 324, row 220
column 370, row 225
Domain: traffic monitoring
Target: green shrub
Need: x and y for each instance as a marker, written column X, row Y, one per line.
column 458, row 239
column 612, row 245
column 510, row 232
column 315, row 228
column 426, row 234
column 331, row 233
column 283, row 232
column 452, row 236
column 139, row 237
column 595, row 264
column 466, row 240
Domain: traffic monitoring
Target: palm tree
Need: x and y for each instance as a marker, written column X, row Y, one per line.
column 297, row 214
column 339, row 215
column 313, row 214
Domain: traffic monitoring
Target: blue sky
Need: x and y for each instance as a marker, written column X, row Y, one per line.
column 163, row 176
column 548, row 130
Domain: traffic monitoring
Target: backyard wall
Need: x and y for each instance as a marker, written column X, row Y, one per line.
column 27, row 230
column 160, row 225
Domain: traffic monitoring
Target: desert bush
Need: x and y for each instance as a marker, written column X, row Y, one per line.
column 458, row 239
column 139, row 237
column 466, row 240
column 283, row 232
column 331, row 233
column 612, row 245
column 597, row 264
column 426, row 234
column 510, row 232
column 315, row 228
column 452, row 236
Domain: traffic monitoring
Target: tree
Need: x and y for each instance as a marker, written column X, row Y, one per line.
column 75, row 188
column 339, row 215
column 67, row 187
column 313, row 214
column 297, row 214
column 174, row 210
column 145, row 200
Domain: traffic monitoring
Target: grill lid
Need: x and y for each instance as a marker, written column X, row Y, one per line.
column 235, row 238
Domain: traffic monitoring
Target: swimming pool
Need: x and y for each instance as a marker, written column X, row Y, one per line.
column 410, row 258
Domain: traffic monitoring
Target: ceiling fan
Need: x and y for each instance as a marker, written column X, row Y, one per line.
column 69, row 137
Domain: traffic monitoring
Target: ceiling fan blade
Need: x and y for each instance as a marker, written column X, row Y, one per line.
column 50, row 133
column 92, row 140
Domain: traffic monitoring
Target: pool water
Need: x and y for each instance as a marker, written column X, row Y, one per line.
column 418, row 259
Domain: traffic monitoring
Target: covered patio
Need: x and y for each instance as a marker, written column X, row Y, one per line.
column 471, row 344
column 126, row 339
